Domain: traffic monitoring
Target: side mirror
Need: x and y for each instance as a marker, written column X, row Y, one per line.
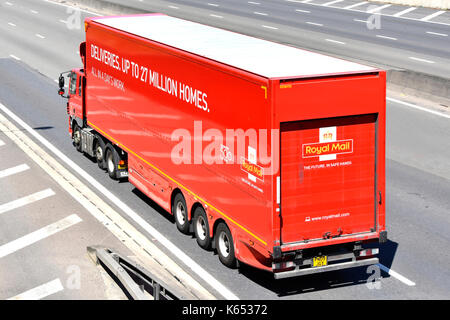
column 61, row 81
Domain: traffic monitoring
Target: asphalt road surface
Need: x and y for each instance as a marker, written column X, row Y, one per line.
column 414, row 261
column 44, row 234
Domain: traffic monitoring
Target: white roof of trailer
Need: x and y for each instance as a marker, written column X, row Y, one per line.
column 265, row 58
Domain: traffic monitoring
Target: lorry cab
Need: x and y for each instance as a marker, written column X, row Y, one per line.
column 75, row 96
column 76, row 86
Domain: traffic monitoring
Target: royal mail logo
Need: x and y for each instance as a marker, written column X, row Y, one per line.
column 327, row 136
column 252, row 169
column 326, row 148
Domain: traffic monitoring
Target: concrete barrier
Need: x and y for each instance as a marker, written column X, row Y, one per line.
column 436, row 4
column 419, row 85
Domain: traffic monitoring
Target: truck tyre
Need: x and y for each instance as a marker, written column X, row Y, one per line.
column 77, row 137
column 100, row 149
column 112, row 161
column 179, row 211
column 201, row 228
column 225, row 245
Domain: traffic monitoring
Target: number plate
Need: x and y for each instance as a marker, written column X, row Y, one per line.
column 320, row 261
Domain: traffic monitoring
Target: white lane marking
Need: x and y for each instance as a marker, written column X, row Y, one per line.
column 396, row 275
column 334, row 41
column 438, row 34
column 40, row 36
column 433, row 15
column 12, row 24
column 378, row 8
column 437, row 113
column 15, row 57
column 270, row 27
column 34, row 11
column 315, row 24
column 251, row 2
column 421, row 60
column 40, row 292
column 177, row 252
column 72, row 7
column 213, row 4
column 62, row 21
column 38, row 235
column 174, row 7
column 331, row 2
column 304, row 11
column 11, row 171
column 8, row 3
column 398, row 14
column 359, row 20
column 385, row 37
column 355, row 5
column 260, row 13
column 26, row 200
column 1, row 143
column 216, row 16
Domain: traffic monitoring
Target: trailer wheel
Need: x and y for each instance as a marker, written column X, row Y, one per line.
column 225, row 246
column 179, row 211
column 77, row 137
column 201, row 228
column 112, row 161
column 99, row 149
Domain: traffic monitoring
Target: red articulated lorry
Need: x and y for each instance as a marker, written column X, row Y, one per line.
column 271, row 155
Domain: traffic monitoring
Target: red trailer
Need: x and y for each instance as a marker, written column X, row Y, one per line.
column 271, row 155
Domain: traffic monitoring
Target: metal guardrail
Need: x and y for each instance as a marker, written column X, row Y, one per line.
column 139, row 283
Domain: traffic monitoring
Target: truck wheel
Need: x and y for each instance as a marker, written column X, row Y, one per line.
column 225, row 245
column 201, row 228
column 100, row 152
column 112, row 161
column 179, row 211
column 77, row 137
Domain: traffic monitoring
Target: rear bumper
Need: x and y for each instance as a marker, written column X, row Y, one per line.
column 332, row 267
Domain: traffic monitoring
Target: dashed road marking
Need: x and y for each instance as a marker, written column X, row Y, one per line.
column 1, row 143
column 26, row 200
column 433, row 15
column 216, row 16
column 314, row 23
column 40, row 292
column 15, row 57
column 270, row 27
column 385, row 37
column 11, row 171
column 334, row 41
column 355, row 5
column 399, row 14
column 437, row 34
column 378, row 8
column 260, row 13
column 331, row 2
column 304, row 11
column 397, row 275
column 38, row 235
column 421, row 60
